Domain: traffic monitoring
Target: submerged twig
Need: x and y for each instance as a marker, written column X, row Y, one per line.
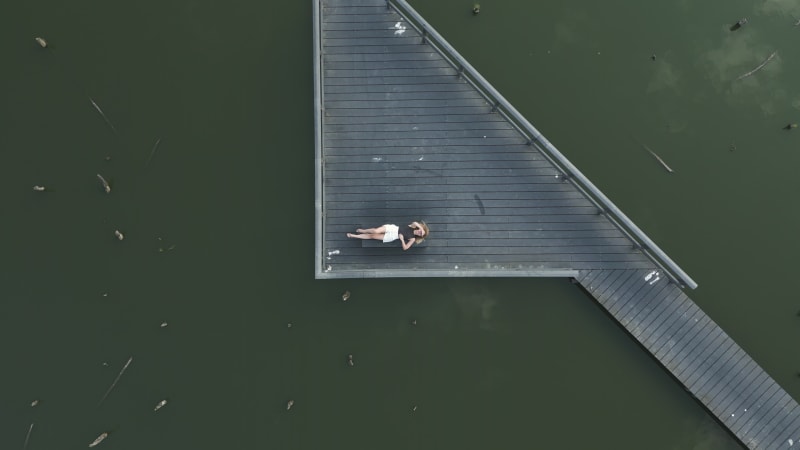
column 760, row 66
column 106, row 186
column 658, row 158
column 112, row 387
column 104, row 115
column 152, row 152
column 27, row 437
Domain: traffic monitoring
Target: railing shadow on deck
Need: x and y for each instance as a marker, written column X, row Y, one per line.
column 569, row 173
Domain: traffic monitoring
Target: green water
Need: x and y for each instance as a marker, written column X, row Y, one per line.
column 505, row 363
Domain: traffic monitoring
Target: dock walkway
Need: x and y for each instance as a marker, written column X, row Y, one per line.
column 408, row 130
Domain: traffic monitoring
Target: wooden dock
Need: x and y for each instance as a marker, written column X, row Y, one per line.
column 408, row 130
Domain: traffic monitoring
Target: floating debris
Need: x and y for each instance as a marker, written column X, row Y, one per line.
column 34, row 403
column 760, row 66
column 104, row 115
column 119, row 235
column 152, row 152
column 160, row 405
column 115, row 382
column 28, row 437
column 653, row 56
column 658, row 158
column 38, row 188
column 106, row 186
column 289, row 404
column 289, row 325
column 345, row 296
column 164, row 324
column 789, row 126
column 739, row 24
column 414, row 322
column 98, row 440
column 350, row 360
column 39, row 40
column 476, row 9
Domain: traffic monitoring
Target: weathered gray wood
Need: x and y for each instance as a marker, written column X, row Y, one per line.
column 645, row 327
column 646, row 301
column 402, row 136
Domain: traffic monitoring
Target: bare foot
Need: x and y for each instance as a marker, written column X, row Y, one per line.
column 360, row 230
column 351, row 235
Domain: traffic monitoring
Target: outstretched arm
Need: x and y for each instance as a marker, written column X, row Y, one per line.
column 415, row 225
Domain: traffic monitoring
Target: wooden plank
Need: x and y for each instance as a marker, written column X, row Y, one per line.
column 659, row 321
column 758, row 406
column 766, row 425
column 595, row 279
column 723, row 386
column 790, row 430
column 624, row 293
column 633, row 322
column 677, row 332
column 765, row 406
column 764, row 387
column 737, row 394
column 637, row 298
column 685, row 341
column 742, row 408
column 604, row 293
column 649, row 300
column 697, row 350
column 712, row 366
column 711, row 386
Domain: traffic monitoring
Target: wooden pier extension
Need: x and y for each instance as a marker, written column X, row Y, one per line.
column 406, row 130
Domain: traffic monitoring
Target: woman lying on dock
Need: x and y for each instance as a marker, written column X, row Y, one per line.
column 416, row 233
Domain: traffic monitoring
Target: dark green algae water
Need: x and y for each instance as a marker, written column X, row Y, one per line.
column 491, row 363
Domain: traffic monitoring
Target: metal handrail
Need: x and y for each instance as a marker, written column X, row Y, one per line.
column 499, row 104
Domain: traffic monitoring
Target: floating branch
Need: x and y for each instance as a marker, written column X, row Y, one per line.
column 160, row 405
column 106, row 186
column 109, row 391
column 760, row 66
column 658, row 158
column 104, row 115
column 27, row 437
column 152, row 152
column 99, row 439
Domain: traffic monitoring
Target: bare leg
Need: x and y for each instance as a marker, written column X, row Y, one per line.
column 379, row 230
column 376, row 236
